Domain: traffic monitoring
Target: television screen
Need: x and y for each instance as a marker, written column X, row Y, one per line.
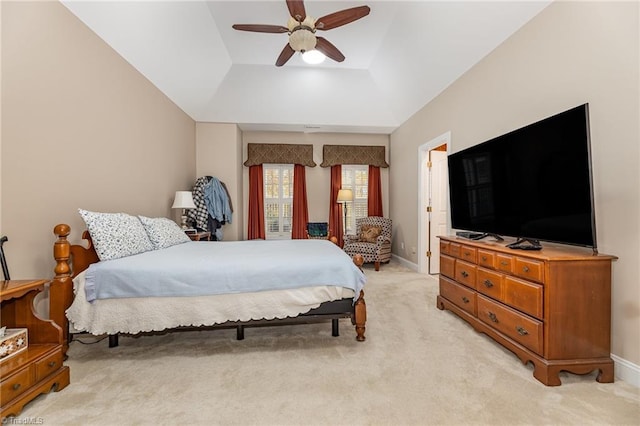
column 532, row 183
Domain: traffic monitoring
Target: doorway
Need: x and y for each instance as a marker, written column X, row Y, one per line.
column 433, row 201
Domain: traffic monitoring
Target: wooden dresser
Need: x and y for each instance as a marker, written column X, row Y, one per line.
column 551, row 307
column 39, row 368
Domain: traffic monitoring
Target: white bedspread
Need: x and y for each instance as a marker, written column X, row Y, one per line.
column 134, row 315
column 208, row 268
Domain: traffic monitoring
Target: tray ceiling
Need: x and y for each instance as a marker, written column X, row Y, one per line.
column 397, row 59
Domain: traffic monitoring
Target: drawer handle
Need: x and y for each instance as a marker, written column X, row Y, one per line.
column 484, row 258
column 464, row 274
column 464, row 299
column 525, row 268
column 521, row 330
column 504, row 263
column 15, row 386
column 488, row 283
column 493, row 317
column 466, row 253
column 51, row 363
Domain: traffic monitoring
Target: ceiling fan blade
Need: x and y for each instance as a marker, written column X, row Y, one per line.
column 343, row 17
column 285, row 55
column 258, row 28
column 296, row 9
column 329, row 50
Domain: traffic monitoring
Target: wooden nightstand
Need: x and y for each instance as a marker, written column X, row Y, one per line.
column 39, row 368
column 199, row 236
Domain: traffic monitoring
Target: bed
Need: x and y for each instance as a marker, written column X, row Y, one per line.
column 82, row 292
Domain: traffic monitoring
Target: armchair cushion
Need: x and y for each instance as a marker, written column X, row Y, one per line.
column 369, row 233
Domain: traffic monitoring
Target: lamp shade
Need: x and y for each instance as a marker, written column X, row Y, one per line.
column 183, row 200
column 345, row 195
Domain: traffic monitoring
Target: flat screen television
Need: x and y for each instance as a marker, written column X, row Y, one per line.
column 533, row 183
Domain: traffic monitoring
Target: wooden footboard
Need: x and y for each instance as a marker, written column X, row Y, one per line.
column 73, row 259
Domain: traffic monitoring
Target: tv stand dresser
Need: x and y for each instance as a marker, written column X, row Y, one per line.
column 550, row 307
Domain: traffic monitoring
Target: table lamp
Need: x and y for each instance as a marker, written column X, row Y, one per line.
column 183, row 200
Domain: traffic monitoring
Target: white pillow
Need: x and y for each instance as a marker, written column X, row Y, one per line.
column 163, row 232
column 116, row 235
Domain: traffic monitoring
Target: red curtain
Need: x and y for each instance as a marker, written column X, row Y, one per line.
column 300, row 209
column 335, row 209
column 256, row 204
column 374, row 203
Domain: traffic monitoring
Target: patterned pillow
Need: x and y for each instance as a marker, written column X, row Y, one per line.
column 369, row 233
column 163, row 232
column 116, row 235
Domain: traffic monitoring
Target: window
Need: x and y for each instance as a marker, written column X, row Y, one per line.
column 356, row 178
column 278, row 200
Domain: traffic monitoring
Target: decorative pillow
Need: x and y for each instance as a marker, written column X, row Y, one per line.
column 163, row 232
column 116, row 235
column 369, row 233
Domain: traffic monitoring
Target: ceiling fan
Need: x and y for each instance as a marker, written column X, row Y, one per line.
column 302, row 30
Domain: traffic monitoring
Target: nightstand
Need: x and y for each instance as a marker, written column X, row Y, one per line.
column 199, row 236
column 39, row 368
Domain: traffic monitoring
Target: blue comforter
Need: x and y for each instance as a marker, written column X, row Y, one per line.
column 208, row 268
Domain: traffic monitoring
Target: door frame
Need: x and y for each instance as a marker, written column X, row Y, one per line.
column 423, row 186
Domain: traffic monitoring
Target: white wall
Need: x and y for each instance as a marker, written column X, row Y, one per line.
column 219, row 154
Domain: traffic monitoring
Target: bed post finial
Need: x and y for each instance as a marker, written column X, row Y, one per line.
column 61, row 250
column 61, row 288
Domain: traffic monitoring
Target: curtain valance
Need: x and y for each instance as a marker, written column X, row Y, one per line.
column 353, row 154
column 279, row 153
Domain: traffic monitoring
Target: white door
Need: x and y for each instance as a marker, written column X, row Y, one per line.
column 438, row 196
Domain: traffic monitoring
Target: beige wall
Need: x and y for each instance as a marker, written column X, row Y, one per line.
column 219, row 154
column 81, row 129
column 318, row 178
column 571, row 53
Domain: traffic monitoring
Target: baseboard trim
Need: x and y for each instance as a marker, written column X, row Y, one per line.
column 626, row 370
column 405, row 262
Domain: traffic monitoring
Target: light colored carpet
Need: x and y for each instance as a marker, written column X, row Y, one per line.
column 419, row 366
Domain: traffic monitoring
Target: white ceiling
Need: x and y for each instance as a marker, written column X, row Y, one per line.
column 398, row 58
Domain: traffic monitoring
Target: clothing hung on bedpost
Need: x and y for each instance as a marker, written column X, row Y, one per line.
column 213, row 206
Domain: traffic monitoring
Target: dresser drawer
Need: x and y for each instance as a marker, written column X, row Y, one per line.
column 15, row 385
column 487, row 258
column 489, row 282
column 469, row 254
column 529, row 269
column 447, row 265
column 523, row 295
column 505, row 262
column 454, row 250
column 458, row 295
column 466, row 273
column 519, row 327
column 444, row 247
column 48, row 365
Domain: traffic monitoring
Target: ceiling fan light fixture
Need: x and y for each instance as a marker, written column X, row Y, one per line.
column 302, row 40
column 313, row 57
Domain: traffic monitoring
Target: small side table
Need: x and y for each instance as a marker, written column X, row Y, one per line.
column 39, row 368
column 200, row 236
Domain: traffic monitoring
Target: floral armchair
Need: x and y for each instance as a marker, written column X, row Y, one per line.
column 372, row 240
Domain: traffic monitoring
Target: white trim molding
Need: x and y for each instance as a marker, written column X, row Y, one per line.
column 626, row 370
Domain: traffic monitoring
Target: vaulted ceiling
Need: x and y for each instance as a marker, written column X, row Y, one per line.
column 398, row 58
